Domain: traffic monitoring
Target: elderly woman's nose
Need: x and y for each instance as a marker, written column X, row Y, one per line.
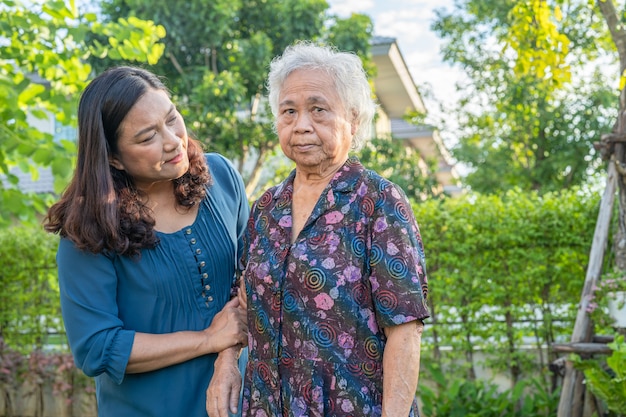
column 303, row 121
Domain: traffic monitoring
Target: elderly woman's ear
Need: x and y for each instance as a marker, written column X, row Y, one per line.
column 354, row 123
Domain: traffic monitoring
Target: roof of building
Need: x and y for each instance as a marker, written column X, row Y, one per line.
column 397, row 93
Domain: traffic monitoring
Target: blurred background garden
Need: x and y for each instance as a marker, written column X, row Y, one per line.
column 508, row 184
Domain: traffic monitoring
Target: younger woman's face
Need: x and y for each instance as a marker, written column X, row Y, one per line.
column 152, row 142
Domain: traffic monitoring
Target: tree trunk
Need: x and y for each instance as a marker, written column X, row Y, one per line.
column 257, row 170
column 469, row 349
column 433, row 320
column 618, row 34
column 510, row 335
column 571, row 391
column 573, row 394
column 8, row 404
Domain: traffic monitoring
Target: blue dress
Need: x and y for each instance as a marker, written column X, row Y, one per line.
column 179, row 285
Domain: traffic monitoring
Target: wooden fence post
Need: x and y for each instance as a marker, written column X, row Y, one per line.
column 571, row 400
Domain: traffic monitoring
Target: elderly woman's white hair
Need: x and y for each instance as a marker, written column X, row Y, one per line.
column 344, row 68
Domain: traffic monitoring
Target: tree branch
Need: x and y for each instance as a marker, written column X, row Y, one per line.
column 607, row 7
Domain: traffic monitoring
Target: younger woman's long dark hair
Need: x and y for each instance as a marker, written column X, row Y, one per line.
column 102, row 210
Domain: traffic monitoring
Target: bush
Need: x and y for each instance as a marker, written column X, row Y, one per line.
column 456, row 397
column 606, row 378
column 29, row 293
column 505, row 275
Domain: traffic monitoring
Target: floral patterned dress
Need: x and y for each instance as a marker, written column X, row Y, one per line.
column 317, row 307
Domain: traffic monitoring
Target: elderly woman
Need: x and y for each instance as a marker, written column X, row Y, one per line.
column 334, row 271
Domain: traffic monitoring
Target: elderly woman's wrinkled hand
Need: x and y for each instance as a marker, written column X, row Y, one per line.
column 222, row 395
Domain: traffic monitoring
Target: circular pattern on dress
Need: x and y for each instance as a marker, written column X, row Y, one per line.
column 329, row 405
column 286, row 359
column 386, row 301
column 377, row 254
column 401, row 211
column 276, row 301
column 284, row 200
column 265, row 199
column 382, row 194
column 369, row 369
column 317, row 239
column 354, row 368
column 360, row 293
column 358, row 245
column 397, row 267
column 307, row 391
column 372, row 348
column 262, row 222
column 264, row 372
column 368, row 205
column 261, row 321
column 315, row 279
column 324, row 335
column 290, row 300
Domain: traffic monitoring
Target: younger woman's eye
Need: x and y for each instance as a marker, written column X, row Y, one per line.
column 148, row 138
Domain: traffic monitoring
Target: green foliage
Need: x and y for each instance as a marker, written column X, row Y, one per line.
column 454, row 397
column 29, row 292
column 33, row 348
column 607, row 383
column 538, row 95
column 610, row 291
column 502, row 272
column 394, row 160
column 42, row 70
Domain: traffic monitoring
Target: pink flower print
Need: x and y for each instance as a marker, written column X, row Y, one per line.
column 380, row 225
column 263, row 269
column 324, row 302
column 333, row 242
column 333, row 239
column 362, row 190
column 317, row 394
column 328, row 263
column 285, row 221
column 346, row 341
column 347, row 406
column 392, row 249
column 260, row 289
column 309, row 350
column 330, row 197
column 352, row 273
column 371, row 323
column 333, row 217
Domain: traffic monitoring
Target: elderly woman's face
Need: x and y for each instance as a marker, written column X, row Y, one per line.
column 313, row 127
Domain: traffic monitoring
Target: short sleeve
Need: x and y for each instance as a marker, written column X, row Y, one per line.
column 397, row 262
column 88, row 288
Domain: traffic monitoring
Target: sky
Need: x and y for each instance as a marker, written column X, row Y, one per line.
column 409, row 21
